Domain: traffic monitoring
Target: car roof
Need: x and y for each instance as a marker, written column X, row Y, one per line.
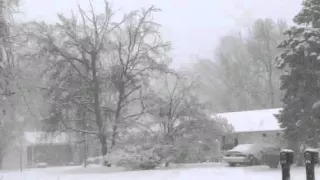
column 244, row 147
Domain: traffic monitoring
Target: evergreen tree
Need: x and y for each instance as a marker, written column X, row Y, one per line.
column 301, row 82
column 309, row 14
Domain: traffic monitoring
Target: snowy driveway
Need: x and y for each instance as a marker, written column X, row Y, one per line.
column 208, row 172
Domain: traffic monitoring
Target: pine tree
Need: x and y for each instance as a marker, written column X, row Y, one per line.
column 301, row 83
column 310, row 13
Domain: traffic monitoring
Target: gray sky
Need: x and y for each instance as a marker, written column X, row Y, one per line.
column 193, row 26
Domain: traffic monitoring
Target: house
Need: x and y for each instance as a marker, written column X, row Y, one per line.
column 258, row 126
column 33, row 147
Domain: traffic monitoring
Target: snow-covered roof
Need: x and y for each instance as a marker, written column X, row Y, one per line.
column 257, row 120
column 43, row 138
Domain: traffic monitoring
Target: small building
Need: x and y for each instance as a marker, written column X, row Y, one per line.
column 54, row 149
column 35, row 147
column 257, row 126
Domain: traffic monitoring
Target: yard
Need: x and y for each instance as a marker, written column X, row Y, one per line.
column 186, row 172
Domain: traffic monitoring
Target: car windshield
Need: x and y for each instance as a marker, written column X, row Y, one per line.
column 244, row 147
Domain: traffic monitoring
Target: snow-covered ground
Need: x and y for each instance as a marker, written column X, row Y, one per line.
column 188, row 172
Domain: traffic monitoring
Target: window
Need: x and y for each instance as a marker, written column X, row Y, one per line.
column 264, row 135
column 206, row 147
column 162, row 112
column 302, row 83
column 236, row 141
column 223, row 140
column 318, row 82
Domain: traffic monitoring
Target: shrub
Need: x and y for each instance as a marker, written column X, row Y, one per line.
column 182, row 157
column 94, row 160
column 98, row 160
column 137, row 157
column 169, row 153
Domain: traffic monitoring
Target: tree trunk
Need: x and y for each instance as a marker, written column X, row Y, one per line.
column 300, row 159
column 314, row 21
column 114, row 135
column 270, row 78
column 115, row 126
column 270, row 74
column 85, row 138
column 85, row 149
column 117, row 115
column 300, row 155
column 170, row 141
column 97, row 110
column 271, row 90
column 1, row 162
column 104, row 148
column 21, row 158
column 167, row 164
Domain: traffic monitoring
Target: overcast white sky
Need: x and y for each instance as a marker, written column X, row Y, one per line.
column 193, row 26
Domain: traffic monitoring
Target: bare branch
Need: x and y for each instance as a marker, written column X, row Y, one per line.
column 79, row 130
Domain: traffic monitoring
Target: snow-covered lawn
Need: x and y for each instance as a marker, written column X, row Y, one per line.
column 187, row 172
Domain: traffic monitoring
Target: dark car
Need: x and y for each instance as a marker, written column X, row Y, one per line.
column 271, row 156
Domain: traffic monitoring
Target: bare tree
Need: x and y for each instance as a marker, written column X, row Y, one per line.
column 140, row 54
column 9, row 71
column 100, row 67
column 265, row 36
column 231, row 77
column 242, row 76
column 8, row 134
column 76, row 52
column 180, row 114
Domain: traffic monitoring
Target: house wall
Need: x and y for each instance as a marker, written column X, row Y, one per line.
column 257, row 137
column 268, row 137
column 52, row 154
column 13, row 158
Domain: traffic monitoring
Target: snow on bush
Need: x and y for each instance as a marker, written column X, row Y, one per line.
column 167, row 153
column 95, row 160
column 316, row 105
column 131, row 157
column 136, row 157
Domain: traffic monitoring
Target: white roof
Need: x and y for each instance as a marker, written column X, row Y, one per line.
column 257, row 120
column 43, row 138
